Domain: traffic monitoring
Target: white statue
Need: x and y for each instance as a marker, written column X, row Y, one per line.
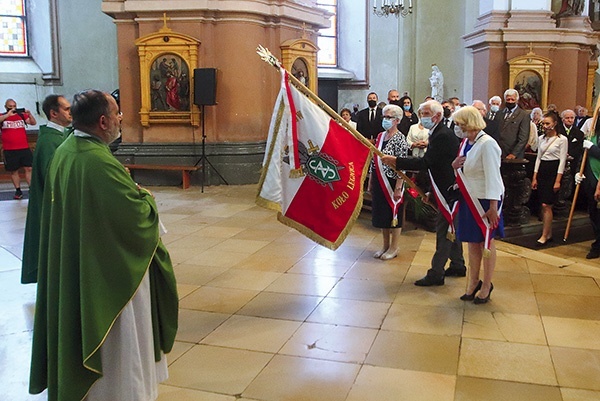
column 437, row 83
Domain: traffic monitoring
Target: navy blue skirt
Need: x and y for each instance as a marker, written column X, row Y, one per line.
column 468, row 230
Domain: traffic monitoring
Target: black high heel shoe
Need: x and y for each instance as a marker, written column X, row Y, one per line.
column 478, row 301
column 471, row 296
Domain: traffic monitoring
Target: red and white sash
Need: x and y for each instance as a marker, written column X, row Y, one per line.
column 448, row 212
column 387, row 189
column 474, row 204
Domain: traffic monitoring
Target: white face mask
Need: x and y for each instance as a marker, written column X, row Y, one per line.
column 459, row 132
column 494, row 108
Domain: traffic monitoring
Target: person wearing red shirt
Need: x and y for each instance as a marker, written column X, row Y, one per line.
column 14, row 143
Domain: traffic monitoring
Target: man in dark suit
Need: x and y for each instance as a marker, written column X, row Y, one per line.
column 442, row 150
column 368, row 121
column 492, row 128
column 575, row 138
column 514, row 127
column 580, row 116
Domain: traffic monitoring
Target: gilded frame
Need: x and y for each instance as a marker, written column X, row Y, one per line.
column 178, row 54
column 533, row 69
column 299, row 56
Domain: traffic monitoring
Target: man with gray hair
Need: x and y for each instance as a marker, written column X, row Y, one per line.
column 575, row 138
column 442, row 150
column 514, row 127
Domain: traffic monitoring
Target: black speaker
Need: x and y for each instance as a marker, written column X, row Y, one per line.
column 205, row 86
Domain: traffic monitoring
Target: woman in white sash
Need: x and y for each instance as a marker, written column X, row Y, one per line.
column 386, row 189
column 478, row 176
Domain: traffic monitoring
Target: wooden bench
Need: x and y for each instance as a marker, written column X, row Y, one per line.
column 185, row 170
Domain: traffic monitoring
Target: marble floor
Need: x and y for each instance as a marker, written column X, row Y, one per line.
column 266, row 314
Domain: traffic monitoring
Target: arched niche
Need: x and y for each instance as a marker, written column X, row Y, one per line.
column 529, row 74
column 299, row 56
column 167, row 61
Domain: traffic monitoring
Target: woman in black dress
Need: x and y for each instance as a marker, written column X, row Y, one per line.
column 409, row 117
column 547, row 173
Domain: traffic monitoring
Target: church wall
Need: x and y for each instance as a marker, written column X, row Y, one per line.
column 237, row 126
column 246, row 90
column 88, row 48
column 402, row 50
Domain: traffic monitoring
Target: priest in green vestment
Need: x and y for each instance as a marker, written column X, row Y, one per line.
column 106, row 307
column 58, row 111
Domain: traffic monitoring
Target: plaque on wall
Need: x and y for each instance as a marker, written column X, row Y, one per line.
column 166, row 59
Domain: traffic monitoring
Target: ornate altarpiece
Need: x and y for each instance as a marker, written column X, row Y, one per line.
column 167, row 90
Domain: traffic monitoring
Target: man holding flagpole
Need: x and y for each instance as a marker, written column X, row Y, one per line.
column 442, row 150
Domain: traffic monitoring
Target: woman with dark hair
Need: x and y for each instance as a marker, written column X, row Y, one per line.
column 547, row 173
column 346, row 114
column 409, row 117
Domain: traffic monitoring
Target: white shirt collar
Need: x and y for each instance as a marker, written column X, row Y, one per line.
column 55, row 126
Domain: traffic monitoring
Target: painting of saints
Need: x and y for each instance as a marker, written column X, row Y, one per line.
column 529, row 86
column 170, row 83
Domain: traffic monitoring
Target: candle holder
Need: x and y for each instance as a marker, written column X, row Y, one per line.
column 394, row 7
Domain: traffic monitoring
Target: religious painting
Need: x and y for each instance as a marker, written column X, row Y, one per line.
column 529, row 75
column 166, row 60
column 170, row 83
column 300, row 71
column 529, row 85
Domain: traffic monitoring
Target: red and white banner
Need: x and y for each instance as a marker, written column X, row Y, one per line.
column 313, row 170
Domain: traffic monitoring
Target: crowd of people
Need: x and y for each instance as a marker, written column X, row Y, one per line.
column 463, row 148
column 91, row 230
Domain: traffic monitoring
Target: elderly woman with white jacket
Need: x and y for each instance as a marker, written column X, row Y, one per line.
column 477, row 168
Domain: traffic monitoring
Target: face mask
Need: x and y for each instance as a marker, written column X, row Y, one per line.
column 396, row 102
column 456, row 108
column 510, row 105
column 387, row 124
column 494, row 108
column 447, row 112
column 372, row 103
column 406, row 107
column 427, row 122
column 459, row 132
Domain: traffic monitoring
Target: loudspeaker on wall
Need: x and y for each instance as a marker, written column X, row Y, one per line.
column 205, row 86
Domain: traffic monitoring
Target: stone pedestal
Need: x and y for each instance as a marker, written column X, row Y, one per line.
column 517, row 190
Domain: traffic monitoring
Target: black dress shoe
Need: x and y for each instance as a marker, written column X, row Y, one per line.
column 471, row 296
column 429, row 281
column 485, row 300
column 593, row 254
column 455, row 272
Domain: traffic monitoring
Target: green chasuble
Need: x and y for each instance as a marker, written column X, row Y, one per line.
column 48, row 140
column 98, row 237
